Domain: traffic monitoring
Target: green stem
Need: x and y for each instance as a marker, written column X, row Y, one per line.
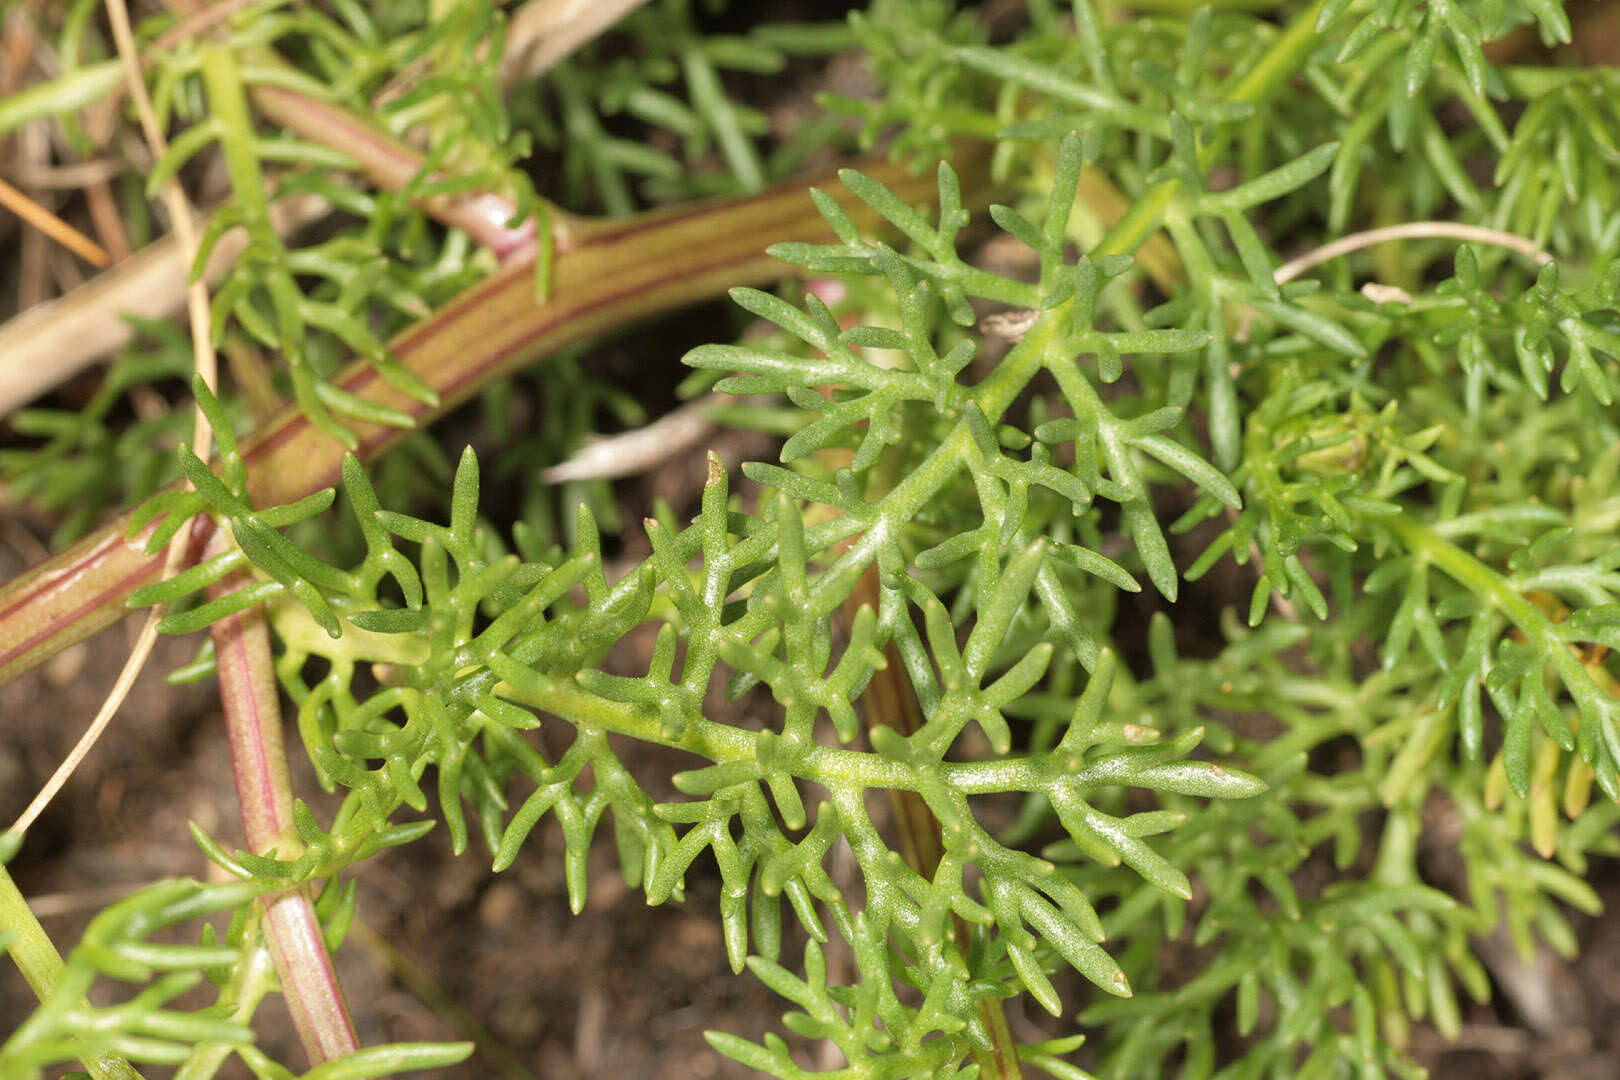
column 250, row 982
column 41, row 966
column 832, row 767
column 227, row 99
column 1471, row 573
column 30, row 947
column 1490, row 586
column 1284, row 57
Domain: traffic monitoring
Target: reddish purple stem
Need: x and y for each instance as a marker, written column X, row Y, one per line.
column 391, row 164
column 259, row 765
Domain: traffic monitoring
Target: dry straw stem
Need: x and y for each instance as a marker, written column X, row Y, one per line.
column 542, row 32
column 180, row 547
column 205, row 365
column 644, row 448
column 1411, row 230
column 52, row 342
column 51, row 225
column 1380, row 293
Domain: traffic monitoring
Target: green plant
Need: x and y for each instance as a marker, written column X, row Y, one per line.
column 925, row 596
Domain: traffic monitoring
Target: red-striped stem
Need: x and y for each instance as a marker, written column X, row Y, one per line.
column 609, row 274
column 247, row 687
column 392, row 165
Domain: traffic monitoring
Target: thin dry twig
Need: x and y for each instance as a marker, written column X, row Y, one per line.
column 191, row 26
column 1411, row 230
column 205, row 364
column 1385, row 294
column 55, row 341
column 109, row 222
column 1012, row 325
column 17, row 43
column 180, row 214
column 74, row 175
column 542, row 32
column 642, row 449
column 1378, row 292
column 52, row 226
column 64, row 268
column 32, row 144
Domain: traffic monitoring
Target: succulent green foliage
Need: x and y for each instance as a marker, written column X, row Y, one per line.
column 472, row 640
column 117, row 945
column 907, row 46
column 922, row 472
column 1321, row 452
column 1419, row 484
column 1563, row 151
column 284, row 566
column 1456, row 27
column 1103, row 443
column 1328, row 482
column 1294, row 947
column 1582, row 325
column 121, row 945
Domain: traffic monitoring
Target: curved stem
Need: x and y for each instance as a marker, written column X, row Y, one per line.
column 613, row 273
column 1411, row 230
